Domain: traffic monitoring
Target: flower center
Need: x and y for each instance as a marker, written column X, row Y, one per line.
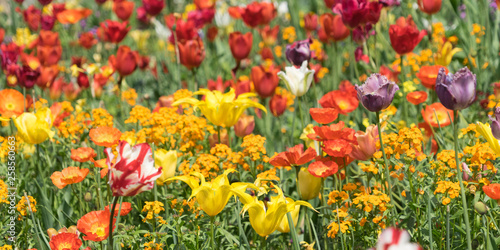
column 10, row 106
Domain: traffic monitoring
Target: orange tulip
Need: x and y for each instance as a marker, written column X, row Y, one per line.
column 204, row 4
column 270, row 35
column 69, row 175
column 265, row 80
column 437, row 115
column 240, row 44
column 244, row 126
column 73, row 16
column 429, row 6
column 191, row 53
column 47, row 76
column 416, row 97
column 278, row 105
column 310, row 22
column 334, row 27
column 428, row 75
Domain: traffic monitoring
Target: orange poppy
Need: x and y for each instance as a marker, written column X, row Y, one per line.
column 95, row 225
column 68, row 241
column 11, row 103
column 295, row 156
column 83, row 154
column 105, row 136
column 51, row 232
column 69, row 175
column 437, row 115
column 73, row 16
column 416, row 97
column 345, row 99
column 337, row 147
column 324, row 115
column 428, row 75
column 492, row 191
column 323, row 168
column 126, row 208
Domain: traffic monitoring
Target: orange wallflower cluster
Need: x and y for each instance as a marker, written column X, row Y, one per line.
column 24, row 208
column 407, row 143
column 449, row 189
column 153, row 209
column 130, row 96
column 101, row 117
column 191, row 205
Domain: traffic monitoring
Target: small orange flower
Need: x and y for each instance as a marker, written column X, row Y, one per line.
column 95, row 225
column 11, row 103
column 324, row 115
column 66, row 241
column 437, row 115
column 70, row 175
column 105, row 136
column 73, row 16
column 492, row 191
column 428, row 75
column 83, row 154
column 126, row 208
column 416, row 97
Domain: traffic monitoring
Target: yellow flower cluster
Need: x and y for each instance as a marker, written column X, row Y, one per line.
column 6, row 247
column 3, row 192
column 139, row 114
column 345, row 222
column 23, row 206
column 337, row 197
column 130, row 96
column 191, row 205
column 368, row 202
column 101, row 117
column 153, row 209
column 407, row 143
column 368, row 168
column 449, row 189
column 152, row 245
column 289, row 34
column 253, row 147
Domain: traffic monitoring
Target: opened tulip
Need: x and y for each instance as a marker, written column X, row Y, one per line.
column 486, row 131
column 366, row 144
column 167, row 161
column 284, row 227
column 309, row 185
column 34, row 128
column 405, row 35
column 134, row 171
column 456, row 91
column 113, row 31
column 265, row 218
column 446, row 53
column 296, row 80
column 430, row 6
column 299, row 52
column 240, row 44
column 221, row 109
column 377, row 92
column 191, row 53
column 212, row 196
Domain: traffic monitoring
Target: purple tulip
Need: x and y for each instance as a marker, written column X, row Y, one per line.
column 299, row 52
column 456, row 91
column 377, row 92
column 495, row 124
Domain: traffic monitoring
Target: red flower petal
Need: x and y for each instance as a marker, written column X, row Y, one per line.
column 324, row 115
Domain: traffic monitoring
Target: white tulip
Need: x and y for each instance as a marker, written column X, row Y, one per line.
column 297, row 81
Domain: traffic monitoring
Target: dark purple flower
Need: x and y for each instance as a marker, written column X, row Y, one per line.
column 47, row 22
column 495, row 124
column 361, row 33
column 358, row 12
column 456, row 91
column 299, row 52
column 28, row 76
column 377, row 92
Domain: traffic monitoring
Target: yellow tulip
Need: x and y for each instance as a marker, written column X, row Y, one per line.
column 309, row 185
column 212, row 196
column 34, row 128
column 265, row 218
column 168, row 161
column 446, row 54
column 221, row 109
column 485, row 131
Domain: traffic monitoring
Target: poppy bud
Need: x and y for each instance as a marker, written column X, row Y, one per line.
column 240, row 44
column 481, row 208
column 87, row 197
column 456, row 91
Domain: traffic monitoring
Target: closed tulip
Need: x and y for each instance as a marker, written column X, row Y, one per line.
column 278, row 105
column 191, row 53
column 405, row 35
column 309, row 185
column 34, row 128
column 456, row 91
column 298, row 80
column 134, row 171
column 113, row 31
column 265, row 80
column 244, row 126
column 299, row 52
column 358, row 12
column 153, row 7
column 334, row 27
column 167, row 160
column 125, row 61
column 495, row 123
column 376, row 93
column 430, row 6
column 240, row 44
column 123, row 9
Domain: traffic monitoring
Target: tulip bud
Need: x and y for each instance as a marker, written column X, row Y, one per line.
column 153, row 7
column 296, row 80
column 430, row 6
column 214, row 139
column 240, row 45
column 191, row 53
column 309, row 185
column 334, row 27
column 299, row 52
column 366, row 144
column 87, row 197
column 244, row 126
column 465, row 172
column 277, row 105
column 377, row 92
column 481, row 208
column 404, row 35
column 265, row 80
column 456, row 91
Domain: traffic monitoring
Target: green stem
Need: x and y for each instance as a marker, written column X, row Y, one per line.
column 448, row 227
column 218, row 135
column 379, row 127
column 242, row 231
column 462, row 189
column 429, row 221
column 301, row 113
column 405, row 105
column 293, row 233
column 487, row 236
column 212, row 234
column 111, row 216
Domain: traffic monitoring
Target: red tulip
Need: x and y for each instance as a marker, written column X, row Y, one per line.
column 153, row 7
column 44, row 2
column 47, row 22
column 49, row 49
column 83, row 80
column 334, row 27
column 266, row 53
column 113, row 31
column 2, row 35
column 405, row 35
column 191, row 53
column 9, row 54
column 242, row 86
column 265, row 80
column 184, row 30
column 142, row 15
column 212, row 33
column 123, row 9
column 218, row 85
column 358, row 12
column 258, row 13
column 204, row 4
column 240, row 44
column 58, row 8
column 55, row 89
column 310, row 22
column 87, row 40
column 201, row 17
column 429, row 6
column 270, row 35
column 70, row 91
column 277, row 105
column 331, row 3
column 125, row 61
column 32, row 17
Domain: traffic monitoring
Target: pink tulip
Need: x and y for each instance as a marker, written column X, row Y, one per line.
column 134, row 171
column 366, row 144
